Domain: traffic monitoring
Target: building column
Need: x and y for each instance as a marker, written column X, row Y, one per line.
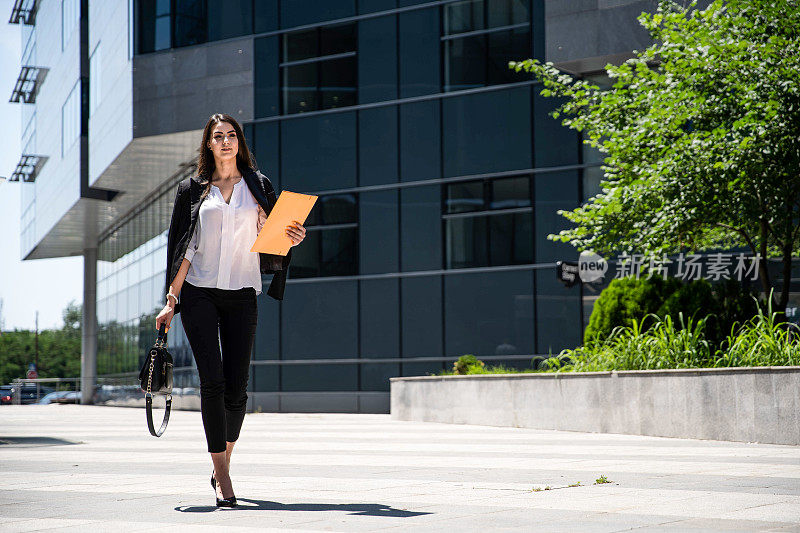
column 89, row 329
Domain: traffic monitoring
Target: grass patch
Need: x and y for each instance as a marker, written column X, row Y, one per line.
column 601, row 480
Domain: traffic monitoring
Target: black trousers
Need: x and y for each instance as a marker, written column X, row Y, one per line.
column 217, row 319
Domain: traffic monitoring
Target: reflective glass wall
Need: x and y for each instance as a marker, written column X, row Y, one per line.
column 131, row 265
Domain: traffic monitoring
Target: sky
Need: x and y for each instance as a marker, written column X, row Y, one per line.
column 44, row 285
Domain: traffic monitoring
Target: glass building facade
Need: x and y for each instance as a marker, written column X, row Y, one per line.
column 439, row 173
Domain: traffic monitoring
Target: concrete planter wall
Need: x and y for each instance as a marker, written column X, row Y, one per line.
column 759, row 404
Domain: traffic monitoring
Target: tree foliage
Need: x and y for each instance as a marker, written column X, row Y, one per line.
column 701, row 133
column 59, row 349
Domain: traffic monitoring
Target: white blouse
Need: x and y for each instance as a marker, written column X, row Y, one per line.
column 219, row 250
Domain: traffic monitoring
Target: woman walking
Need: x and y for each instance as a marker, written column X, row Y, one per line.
column 216, row 218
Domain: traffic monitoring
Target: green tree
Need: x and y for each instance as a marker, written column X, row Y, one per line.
column 701, row 133
column 59, row 349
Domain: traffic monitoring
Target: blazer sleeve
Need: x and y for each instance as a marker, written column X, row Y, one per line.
column 278, row 264
column 193, row 243
column 177, row 226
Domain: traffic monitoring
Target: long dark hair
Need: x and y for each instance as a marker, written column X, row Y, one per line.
column 205, row 162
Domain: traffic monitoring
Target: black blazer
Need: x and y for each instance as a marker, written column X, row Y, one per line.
column 184, row 219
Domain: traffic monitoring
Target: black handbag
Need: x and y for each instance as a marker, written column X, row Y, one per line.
column 156, row 378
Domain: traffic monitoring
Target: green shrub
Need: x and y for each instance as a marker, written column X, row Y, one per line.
column 627, row 299
column 724, row 305
column 467, row 364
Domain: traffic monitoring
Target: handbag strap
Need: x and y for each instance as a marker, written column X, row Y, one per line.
column 161, row 340
column 162, row 335
column 148, row 398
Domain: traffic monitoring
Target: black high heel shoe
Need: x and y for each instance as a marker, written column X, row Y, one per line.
column 222, row 502
column 227, row 502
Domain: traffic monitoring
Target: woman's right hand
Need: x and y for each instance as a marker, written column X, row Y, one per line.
column 165, row 316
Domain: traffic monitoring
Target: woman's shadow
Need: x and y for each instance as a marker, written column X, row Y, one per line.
column 250, row 504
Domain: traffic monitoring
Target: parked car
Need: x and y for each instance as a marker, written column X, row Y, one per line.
column 29, row 394
column 5, row 394
column 70, row 397
column 53, row 397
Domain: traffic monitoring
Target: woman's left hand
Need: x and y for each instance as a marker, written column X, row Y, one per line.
column 296, row 232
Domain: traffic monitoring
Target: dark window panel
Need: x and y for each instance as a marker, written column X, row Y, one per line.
column 339, row 252
column 322, row 84
column 460, row 17
column 554, row 144
column 337, row 83
column 420, row 140
column 265, row 15
column 265, row 74
column 425, row 368
column 300, row 45
column 554, row 191
column 153, row 22
column 378, row 145
column 306, row 257
column 380, row 332
column 337, row 209
column 419, row 52
column 510, row 192
column 230, row 18
column 489, row 313
column 247, row 130
column 265, row 149
column 337, row 39
column 264, row 378
column 326, row 252
column 375, row 376
column 190, row 22
column 466, row 242
column 300, row 12
column 465, row 196
column 420, row 231
column 488, row 132
column 507, row 12
column 557, row 306
column 300, row 88
column 510, row 239
column 319, row 152
column 378, row 224
column 465, row 63
column 505, row 46
column 421, row 319
column 377, row 59
column 371, row 6
column 319, row 378
column 330, row 311
column 267, row 332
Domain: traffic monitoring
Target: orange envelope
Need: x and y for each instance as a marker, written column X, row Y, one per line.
column 290, row 206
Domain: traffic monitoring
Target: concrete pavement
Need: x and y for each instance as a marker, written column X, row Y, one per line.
column 92, row 468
